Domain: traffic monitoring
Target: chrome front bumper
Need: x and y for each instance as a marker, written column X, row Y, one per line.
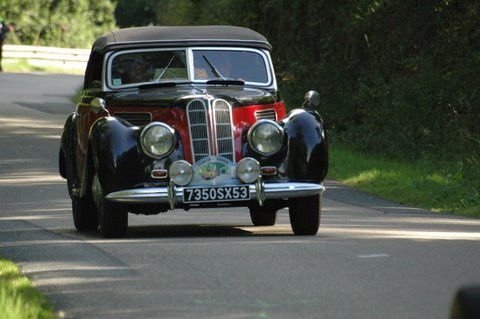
column 174, row 194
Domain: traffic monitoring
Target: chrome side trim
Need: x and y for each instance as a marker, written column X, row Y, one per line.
column 161, row 194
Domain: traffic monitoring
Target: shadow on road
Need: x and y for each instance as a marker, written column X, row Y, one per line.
column 169, row 231
column 192, row 231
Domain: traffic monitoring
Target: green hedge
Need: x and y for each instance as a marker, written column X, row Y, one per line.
column 396, row 76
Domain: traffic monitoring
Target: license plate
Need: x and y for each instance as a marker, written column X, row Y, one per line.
column 216, row 194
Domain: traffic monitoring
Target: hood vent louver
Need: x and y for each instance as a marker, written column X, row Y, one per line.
column 269, row 114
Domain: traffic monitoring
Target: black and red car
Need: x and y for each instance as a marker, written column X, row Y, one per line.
column 189, row 117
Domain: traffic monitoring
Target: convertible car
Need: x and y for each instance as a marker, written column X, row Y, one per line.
column 190, row 117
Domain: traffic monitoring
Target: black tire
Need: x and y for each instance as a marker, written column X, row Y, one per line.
column 84, row 214
column 305, row 215
column 263, row 216
column 466, row 304
column 112, row 218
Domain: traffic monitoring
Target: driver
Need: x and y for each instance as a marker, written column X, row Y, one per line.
column 133, row 69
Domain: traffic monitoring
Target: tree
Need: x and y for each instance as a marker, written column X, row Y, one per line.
column 66, row 23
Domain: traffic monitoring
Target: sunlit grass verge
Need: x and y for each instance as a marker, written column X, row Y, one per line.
column 422, row 184
column 18, row 299
column 23, row 66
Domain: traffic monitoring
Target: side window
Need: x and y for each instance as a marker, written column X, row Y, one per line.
column 93, row 75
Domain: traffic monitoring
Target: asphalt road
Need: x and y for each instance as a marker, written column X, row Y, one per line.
column 371, row 259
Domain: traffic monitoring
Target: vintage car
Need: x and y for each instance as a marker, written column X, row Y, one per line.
column 189, row 117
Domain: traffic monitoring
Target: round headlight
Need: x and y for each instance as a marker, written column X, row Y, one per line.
column 181, row 172
column 157, row 139
column 248, row 170
column 265, row 137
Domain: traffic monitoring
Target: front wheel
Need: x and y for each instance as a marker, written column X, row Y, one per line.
column 263, row 216
column 305, row 215
column 84, row 213
column 112, row 218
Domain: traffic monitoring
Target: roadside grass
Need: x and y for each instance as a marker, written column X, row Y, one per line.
column 18, row 299
column 425, row 184
column 23, row 66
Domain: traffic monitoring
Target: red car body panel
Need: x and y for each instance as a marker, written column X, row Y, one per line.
column 243, row 117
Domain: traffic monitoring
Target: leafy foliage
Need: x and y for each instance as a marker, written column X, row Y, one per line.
column 382, row 66
column 397, row 77
column 65, row 23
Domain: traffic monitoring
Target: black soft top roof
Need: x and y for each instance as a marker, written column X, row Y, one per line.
column 155, row 36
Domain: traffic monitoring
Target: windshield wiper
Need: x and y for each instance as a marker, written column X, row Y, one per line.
column 226, row 82
column 213, row 68
column 165, row 70
column 156, row 85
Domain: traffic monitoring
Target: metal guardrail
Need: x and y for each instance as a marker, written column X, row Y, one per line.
column 63, row 58
column 45, row 53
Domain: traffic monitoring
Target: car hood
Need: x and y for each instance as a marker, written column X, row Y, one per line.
column 180, row 95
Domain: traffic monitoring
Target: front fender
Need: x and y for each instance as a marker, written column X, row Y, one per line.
column 113, row 147
column 307, row 148
column 117, row 156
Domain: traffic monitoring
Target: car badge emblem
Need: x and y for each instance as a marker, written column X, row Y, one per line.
column 211, row 170
column 213, row 167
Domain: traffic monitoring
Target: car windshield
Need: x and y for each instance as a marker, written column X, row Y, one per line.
column 245, row 65
column 148, row 67
column 134, row 67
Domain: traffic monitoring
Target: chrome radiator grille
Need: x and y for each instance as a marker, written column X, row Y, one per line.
column 137, row 119
column 266, row 114
column 223, row 129
column 198, row 126
column 201, row 129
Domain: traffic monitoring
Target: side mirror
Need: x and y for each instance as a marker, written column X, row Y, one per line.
column 312, row 100
column 98, row 105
